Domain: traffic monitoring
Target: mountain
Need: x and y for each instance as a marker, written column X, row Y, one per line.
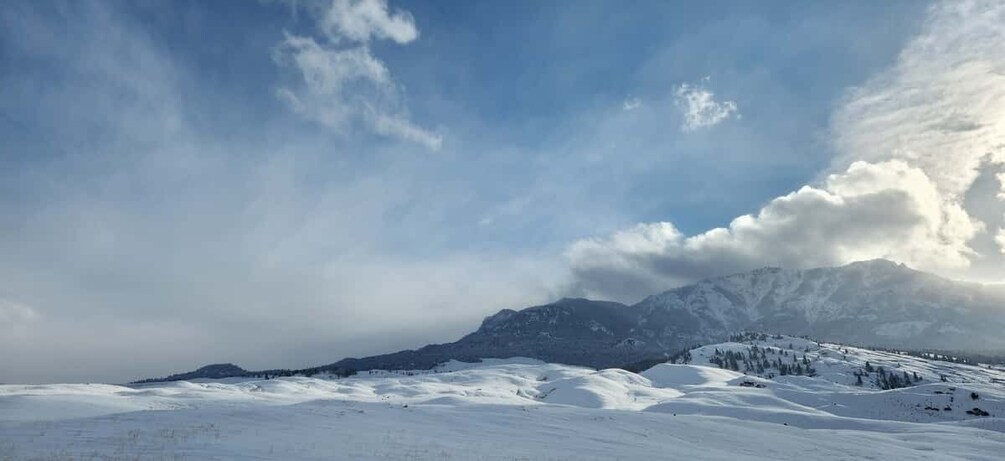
column 875, row 303
column 870, row 303
column 570, row 331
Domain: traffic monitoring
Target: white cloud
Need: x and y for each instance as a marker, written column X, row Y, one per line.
column 630, row 104
column 361, row 20
column 1000, row 237
column 399, row 126
column 337, row 85
column 941, row 107
column 910, row 143
column 699, row 107
column 14, row 315
column 885, row 210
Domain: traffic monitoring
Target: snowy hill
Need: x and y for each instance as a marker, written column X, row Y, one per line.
column 527, row 409
column 214, row 371
column 856, row 382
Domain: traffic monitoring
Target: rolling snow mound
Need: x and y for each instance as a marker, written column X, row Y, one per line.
column 524, row 408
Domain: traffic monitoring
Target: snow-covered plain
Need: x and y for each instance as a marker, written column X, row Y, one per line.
column 525, row 409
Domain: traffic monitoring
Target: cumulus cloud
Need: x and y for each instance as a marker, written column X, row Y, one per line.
column 699, row 108
column 910, row 143
column 338, row 81
column 889, row 210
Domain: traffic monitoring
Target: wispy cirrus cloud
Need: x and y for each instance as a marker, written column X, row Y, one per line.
column 338, row 82
column 363, row 20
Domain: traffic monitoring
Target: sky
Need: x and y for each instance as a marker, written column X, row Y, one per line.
column 286, row 183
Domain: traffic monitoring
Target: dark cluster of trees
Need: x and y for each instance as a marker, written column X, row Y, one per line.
column 230, row 371
column 886, row 380
column 745, row 336
column 764, row 361
column 308, row 372
column 682, row 356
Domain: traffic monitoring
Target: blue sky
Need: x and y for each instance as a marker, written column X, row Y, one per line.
column 286, row 183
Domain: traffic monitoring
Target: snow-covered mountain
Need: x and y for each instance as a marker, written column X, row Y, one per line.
column 874, row 303
column 877, row 303
column 871, row 303
column 839, row 405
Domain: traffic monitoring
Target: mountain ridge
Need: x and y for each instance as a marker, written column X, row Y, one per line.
column 876, row 303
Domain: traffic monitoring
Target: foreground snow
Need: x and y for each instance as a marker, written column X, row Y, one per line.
column 524, row 409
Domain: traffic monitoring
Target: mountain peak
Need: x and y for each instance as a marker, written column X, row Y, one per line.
column 878, row 263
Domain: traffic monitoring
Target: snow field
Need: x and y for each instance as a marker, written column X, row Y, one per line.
column 526, row 409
